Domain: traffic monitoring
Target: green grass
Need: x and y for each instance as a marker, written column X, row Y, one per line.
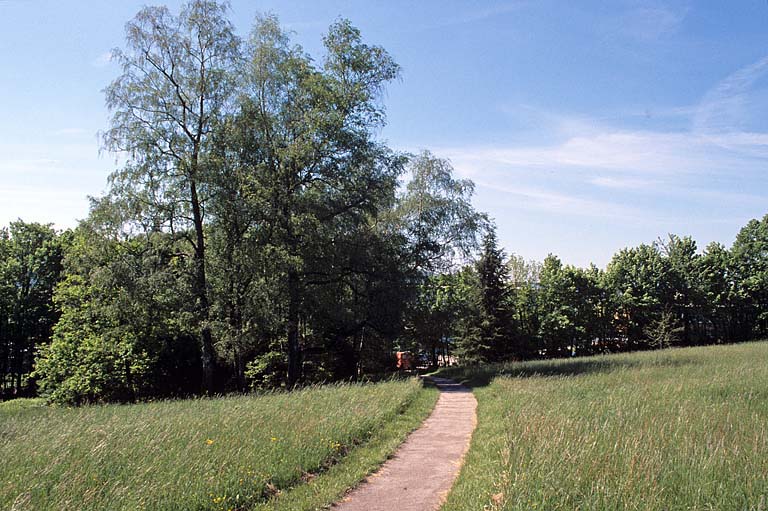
column 669, row 430
column 15, row 405
column 298, row 450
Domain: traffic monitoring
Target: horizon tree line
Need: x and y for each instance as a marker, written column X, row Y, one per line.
column 86, row 317
column 658, row 295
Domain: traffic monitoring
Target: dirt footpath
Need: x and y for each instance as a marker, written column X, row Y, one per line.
column 422, row 470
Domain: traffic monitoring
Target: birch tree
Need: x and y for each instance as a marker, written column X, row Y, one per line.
column 176, row 83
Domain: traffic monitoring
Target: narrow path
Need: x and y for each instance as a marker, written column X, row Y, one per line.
column 422, row 470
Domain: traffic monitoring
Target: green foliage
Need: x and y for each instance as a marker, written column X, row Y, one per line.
column 439, row 311
column 664, row 332
column 494, row 320
column 315, row 182
column 437, row 215
column 638, row 277
column 254, row 236
column 123, row 317
column 524, row 283
column 649, row 296
column 266, row 371
column 749, row 258
column 177, row 83
column 30, row 267
column 437, row 220
column 572, row 304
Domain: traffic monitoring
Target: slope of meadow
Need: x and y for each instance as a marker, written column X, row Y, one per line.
column 668, row 430
column 297, row 450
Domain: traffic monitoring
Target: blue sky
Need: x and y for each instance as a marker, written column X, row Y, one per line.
column 587, row 126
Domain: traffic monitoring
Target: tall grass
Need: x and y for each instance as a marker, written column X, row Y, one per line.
column 669, row 430
column 205, row 454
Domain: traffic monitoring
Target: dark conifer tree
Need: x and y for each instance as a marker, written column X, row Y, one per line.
column 495, row 318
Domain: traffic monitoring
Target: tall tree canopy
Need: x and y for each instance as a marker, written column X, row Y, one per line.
column 304, row 139
column 176, row 83
column 256, row 216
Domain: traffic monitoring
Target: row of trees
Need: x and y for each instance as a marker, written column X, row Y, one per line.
column 122, row 313
column 652, row 296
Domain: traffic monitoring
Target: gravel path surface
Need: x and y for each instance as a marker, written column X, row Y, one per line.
column 422, row 470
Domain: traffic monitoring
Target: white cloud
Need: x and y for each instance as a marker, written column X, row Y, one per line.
column 532, row 198
column 650, row 23
column 646, row 152
column 723, row 105
column 732, row 113
column 624, row 183
column 27, row 165
column 69, row 132
column 479, row 14
column 599, row 170
column 102, row 60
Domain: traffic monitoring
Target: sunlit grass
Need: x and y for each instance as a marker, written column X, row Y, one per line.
column 206, row 454
column 670, row 430
column 14, row 405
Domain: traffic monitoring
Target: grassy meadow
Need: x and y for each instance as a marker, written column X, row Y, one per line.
column 290, row 451
column 668, row 430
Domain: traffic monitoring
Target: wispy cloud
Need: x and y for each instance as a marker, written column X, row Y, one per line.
column 599, row 169
column 69, row 132
column 667, row 188
column 647, row 152
column 651, row 23
column 625, row 183
column 539, row 199
column 479, row 14
column 28, row 165
column 729, row 112
column 102, row 60
column 722, row 106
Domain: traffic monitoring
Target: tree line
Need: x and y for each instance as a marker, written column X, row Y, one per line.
column 258, row 233
column 658, row 295
column 87, row 315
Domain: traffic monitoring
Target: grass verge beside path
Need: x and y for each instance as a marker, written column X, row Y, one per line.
column 669, row 430
column 331, row 485
column 300, row 449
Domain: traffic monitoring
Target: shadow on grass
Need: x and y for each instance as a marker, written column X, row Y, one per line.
column 482, row 375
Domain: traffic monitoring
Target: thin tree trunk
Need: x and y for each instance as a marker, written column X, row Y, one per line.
column 201, row 293
column 294, row 350
column 359, row 361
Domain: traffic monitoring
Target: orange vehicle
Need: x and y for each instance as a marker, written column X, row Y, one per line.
column 405, row 360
